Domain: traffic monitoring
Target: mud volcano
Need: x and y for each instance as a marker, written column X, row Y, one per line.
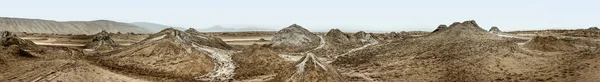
column 494, row 29
column 208, row 40
column 440, row 28
column 549, row 43
column 173, row 53
column 101, row 41
column 593, row 28
column 363, row 37
column 7, row 39
column 337, row 36
column 294, row 38
column 467, row 28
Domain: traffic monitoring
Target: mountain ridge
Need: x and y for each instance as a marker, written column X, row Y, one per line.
column 66, row 27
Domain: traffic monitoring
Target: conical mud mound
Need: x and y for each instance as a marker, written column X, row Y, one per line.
column 593, row 28
column 440, row 28
column 494, row 29
column 400, row 35
column 363, row 37
column 208, row 40
column 101, row 41
column 294, row 38
column 309, row 69
column 257, row 60
column 337, row 36
column 465, row 29
column 168, row 53
column 549, row 43
column 8, row 39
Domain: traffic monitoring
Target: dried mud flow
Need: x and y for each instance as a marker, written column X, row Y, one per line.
column 458, row 52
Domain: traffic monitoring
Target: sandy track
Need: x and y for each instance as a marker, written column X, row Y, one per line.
column 512, row 36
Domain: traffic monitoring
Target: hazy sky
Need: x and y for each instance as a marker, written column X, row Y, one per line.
column 386, row 15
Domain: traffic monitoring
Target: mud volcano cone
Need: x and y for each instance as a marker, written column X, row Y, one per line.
column 363, row 37
column 467, row 28
column 494, row 29
column 101, row 41
column 208, row 40
column 440, row 28
column 8, row 39
column 309, row 69
column 294, row 38
column 168, row 53
column 593, row 28
column 549, row 43
column 337, row 36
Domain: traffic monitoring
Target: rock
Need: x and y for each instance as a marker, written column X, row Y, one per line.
column 101, row 41
column 294, row 38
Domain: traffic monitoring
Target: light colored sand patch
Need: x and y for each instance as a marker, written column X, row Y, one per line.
column 224, row 66
column 512, row 36
column 157, row 38
column 57, row 44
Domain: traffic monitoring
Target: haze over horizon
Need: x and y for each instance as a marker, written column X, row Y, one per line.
column 317, row 15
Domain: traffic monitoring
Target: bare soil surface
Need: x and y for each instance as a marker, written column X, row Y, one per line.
column 460, row 52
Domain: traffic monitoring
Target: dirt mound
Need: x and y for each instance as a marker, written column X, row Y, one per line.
column 208, row 40
column 494, row 29
column 396, row 35
column 257, row 60
column 364, row 37
column 309, row 69
column 294, row 38
column 169, row 53
column 549, row 43
column 593, row 28
column 101, row 41
column 337, row 36
column 467, row 28
column 192, row 30
column 8, row 39
column 440, row 28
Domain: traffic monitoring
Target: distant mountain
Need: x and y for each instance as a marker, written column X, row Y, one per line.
column 68, row 27
column 218, row 28
column 255, row 29
column 154, row 27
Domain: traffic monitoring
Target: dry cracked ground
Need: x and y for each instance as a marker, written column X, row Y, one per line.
column 462, row 51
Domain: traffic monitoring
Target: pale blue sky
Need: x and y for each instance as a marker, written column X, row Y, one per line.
column 386, row 15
